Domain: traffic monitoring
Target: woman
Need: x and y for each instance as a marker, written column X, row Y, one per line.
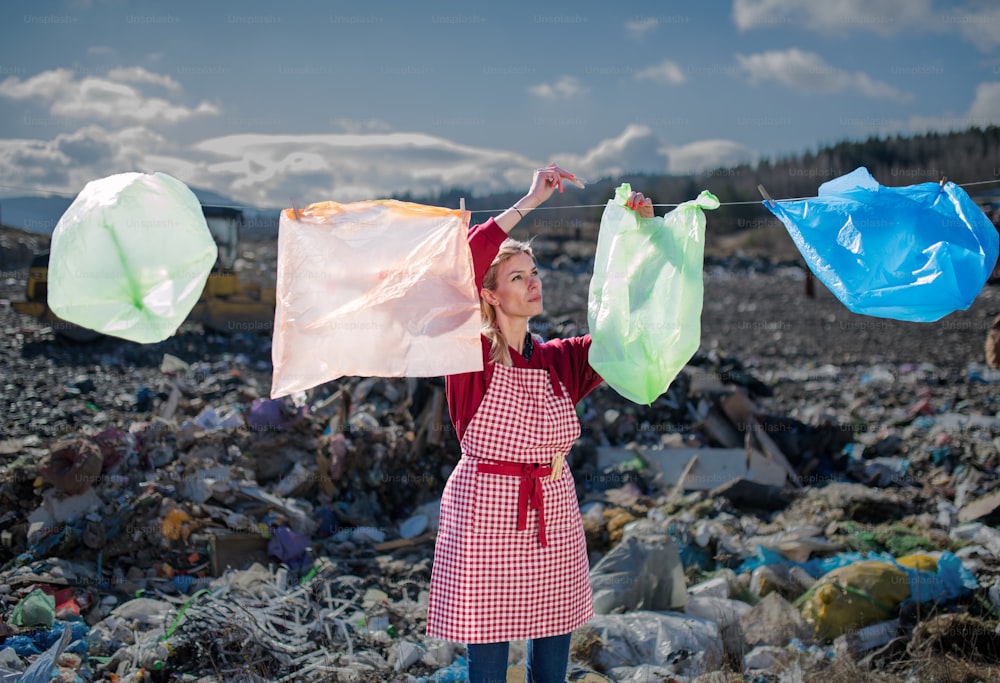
column 510, row 561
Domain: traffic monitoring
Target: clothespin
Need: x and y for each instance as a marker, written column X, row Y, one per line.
column 295, row 210
column 766, row 196
column 461, row 208
column 944, row 179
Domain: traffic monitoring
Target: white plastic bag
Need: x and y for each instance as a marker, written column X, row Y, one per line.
column 375, row 289
column 130, row 257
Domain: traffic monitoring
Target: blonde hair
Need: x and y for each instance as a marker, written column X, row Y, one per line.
column 499, row 349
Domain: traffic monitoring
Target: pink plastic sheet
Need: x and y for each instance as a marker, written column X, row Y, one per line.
column 374, row 289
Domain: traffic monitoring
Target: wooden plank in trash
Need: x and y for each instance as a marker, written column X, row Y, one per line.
column 714, row 466
column 404, row 542
column 236, row 550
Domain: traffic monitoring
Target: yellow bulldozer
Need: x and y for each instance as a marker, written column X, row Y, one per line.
column 227, row 304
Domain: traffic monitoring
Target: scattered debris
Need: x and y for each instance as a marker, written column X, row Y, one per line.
column 162, row 520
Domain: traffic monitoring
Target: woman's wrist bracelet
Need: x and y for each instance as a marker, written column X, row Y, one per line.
column 518, row 211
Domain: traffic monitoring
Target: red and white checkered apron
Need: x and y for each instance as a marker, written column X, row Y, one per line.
column 491, row 580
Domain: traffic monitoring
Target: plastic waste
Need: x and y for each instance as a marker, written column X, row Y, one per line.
column 853, row 597
column 175, row 525
column 374, row 288
column 655, row 638
column 37, row 608
column 153, row 654
column 273, row 414
column 414, row 526
column 773, row 621
column 644, row 306
column 724, row 612
column 289, row 547
column 72, row 465
column 40, row 670
column 11, row 665
column 870, row 637
column 78, row 631
column 130, row 257
column 22, row 645
column 764, row 657
column 643, row 571
column 455, row 672
column 406, row 654
column 912, row 253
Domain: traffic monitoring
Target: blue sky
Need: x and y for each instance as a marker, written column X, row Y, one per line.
column 266, row 102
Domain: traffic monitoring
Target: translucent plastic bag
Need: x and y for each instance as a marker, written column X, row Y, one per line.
column 913, row 253
column 130, row 257
column 644, row 309
column 375, row 289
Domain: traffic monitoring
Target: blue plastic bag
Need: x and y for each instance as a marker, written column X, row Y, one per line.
column 455, row 672
column 40, row 670
column 913, row 253
column 951, row 580
column 644, row 307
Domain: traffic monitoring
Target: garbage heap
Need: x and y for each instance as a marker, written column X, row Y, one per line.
column 778, row 517
column 290, row 540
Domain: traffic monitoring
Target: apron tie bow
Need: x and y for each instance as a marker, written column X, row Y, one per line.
column 530, row 494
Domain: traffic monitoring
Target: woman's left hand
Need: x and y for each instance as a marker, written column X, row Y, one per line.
column 641, row 204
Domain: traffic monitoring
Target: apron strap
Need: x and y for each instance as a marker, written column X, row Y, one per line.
column 556, row 384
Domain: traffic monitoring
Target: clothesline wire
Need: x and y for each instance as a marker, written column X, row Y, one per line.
column 757, row 201
column 537, row 208
column 600, row 206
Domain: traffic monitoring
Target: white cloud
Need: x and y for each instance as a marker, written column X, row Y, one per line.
column 563, row 89
column 980, row 26
column 273, row 170
column 977, row 21
column 982, row 112
column 137, row 74
column 986, row 106
column 636, row 150
column 665, row 73
column 269, row 170
column 833, row 16
column 806, row 72
column 706, row 155
column 104, row 99
column 640, row 27
column 46, row 85
column 357, row 126
column 70, row 160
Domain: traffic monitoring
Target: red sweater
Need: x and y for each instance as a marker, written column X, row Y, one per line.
column 566, row 357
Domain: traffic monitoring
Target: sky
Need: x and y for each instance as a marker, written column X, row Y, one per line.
column 271, row 103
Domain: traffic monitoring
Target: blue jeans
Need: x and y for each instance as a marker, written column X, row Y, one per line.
column 548, row 659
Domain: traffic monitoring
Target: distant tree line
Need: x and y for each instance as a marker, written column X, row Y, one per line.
column 963, row 157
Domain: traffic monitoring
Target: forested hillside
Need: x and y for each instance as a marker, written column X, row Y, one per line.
column 963, row 157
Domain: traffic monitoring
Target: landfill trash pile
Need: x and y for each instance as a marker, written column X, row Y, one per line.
column 813, row 496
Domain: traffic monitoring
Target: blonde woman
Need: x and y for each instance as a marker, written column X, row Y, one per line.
column 510, row 561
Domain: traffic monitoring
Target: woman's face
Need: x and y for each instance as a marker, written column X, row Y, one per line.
column 519, row 289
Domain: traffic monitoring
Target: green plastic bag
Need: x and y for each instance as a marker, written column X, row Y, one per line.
column 646, row 293
column 130, row 257
column 37, row 608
